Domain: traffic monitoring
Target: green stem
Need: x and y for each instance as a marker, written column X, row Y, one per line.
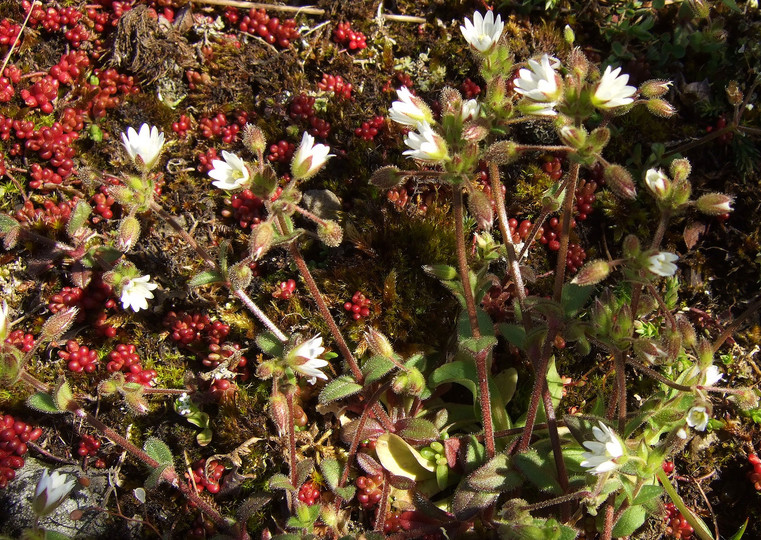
column 700, row 528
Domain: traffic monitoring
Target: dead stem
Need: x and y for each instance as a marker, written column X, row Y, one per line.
column 735, row 325
column 270, row 7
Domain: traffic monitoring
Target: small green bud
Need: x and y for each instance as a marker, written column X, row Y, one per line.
column 330, row 233
column 705, row 353
column 592, row 273
column 451, row 101
column 440, row 271
column 379, row 343
column 261, row 239
column 598, row 139
column 411, row 383
column 58, row 324
column 620, row 182
column 502, row 152
column 689, row 338
column 253, row 139
column 680, row 169
column 240, row 276
column 578, row 63
column 714, row 204
column 575, row 137
column 480, row 208
column 654, row 88
column 129, row 233
column 660, row 107
column 568, row 35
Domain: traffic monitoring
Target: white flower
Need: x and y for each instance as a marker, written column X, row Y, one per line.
column 540, row 83
column 136, row 292
column 612, row 90
column 51, row 491
column 425, row 144
column 469, row 110
column 304, row 359
column 229, row 174
column 309, row 158
column 681, row 433
column 603, row 451
column 183, row 405
column 4, row 323
column 410, row 109
column 484, row 32
column 662, row 263
column 657, row 182
column 712, row 376
column 146, row 145
column 698, row 418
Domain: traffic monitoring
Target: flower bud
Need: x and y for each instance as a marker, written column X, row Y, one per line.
column 122, row 195
column 52, row 490
column 410, row 382
column 502, row 152
column 631, row 246
column 253, row 139
column 475, row 132
column 330, row 233
column 263, row 183
column 714, row 204
column 680, row 169
column 620, row 182
column 265, row 370
column 379, row 343
column 278, row 411
column 680, row 193
column 660, row 107
column 573, row 136
column 129, row 233
column 480, row 208
column 262, row 236
column 240, row 276
column 592, row 273
column 598, row 139
column 705, row 353
column 387, row 177
column 451, row 101
column 568, row 34
column 578, row 63
column 654, row 88
column 658, row 183
column 689, row 338
column 11, row 361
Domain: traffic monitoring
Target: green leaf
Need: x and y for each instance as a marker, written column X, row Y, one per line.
column 251, row 506
column 7, row 224
column 513, row 334
column 158, row 450
column 496, row 475
column 539, row 471
column 62, row 395
column 331, row 472
column 467, row 502
column 43, row 402
column 647, row 495
column 574, row 297
column 280, row 481
column 155, row 477
column 401, row 459
column 459, row 372
column 305, row 516
column 376, row 367
column 204, row 437
column 700, row 527
column 419, row 430
column 78, row 218
column 269, row 344
column 731, row 4
column 442, row 272
column 475, row 346
column 303, row 469
column 741, row 531
column 346, row 492
column 631, row 520
column 339, row 388
column 206, row 277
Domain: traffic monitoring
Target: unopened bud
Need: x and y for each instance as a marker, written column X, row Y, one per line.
column 240, row 276
column 410, row 382
column 578, row 63
column 264, row 182
column 379, row 343
column 680, row 169
column 689, row 338
column 620, row 182
column 680, row 193
column 278, row 410
column 631, row 246
column 714, row 204
column 654, row 88
column 734, row 95
column 575, row 137
column 480, row 208
column 451, row 101
column 598, row 139
column 122, row 195
column 330, row 233
column 658, row 183
column 11, row 361
column 387, row 177
column 592, row 273
column 568, row 35
column 129, row 233
column 705, row 353
column 253, row 139
column 265, row 370
column 58, row 324
column 660, row 107
column 262, row 236
column 502, row 152
column 475, row 132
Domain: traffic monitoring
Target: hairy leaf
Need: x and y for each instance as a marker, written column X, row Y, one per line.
column 158, row 450
column 339, row 388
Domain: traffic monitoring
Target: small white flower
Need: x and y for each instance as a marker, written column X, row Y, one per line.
column 146, row 145
column 540, row 83
column 425, row 144
column 469, row 110
column 4, row 322
column 657, row 182
column 603, row 451
column 304, row 359
column 410, row 109
column 612, row 90
column 712, row 376
column 136, row 292
column 662, row 263
column 681, row 433
column 52, row 490
column 484, row 32
column 229, row 174
column 183, row 405
column 309, row 158
column 698, row 418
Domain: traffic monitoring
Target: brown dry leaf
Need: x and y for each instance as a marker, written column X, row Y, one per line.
column 692, row 232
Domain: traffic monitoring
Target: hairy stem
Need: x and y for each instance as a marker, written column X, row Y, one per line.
column 732, row 328
column 568, row 201
column 291, row 437
column 618, row 358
